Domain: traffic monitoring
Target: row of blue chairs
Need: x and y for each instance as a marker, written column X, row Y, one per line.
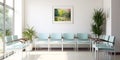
column 65, row 40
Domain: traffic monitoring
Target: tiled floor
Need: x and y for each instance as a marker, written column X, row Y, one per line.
column 56, row 55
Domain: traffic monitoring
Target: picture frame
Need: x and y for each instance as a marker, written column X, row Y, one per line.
column 62, row 14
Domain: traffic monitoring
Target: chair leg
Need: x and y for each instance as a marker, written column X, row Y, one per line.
column 95, row 56
column 108, row 57
column 75, row 47
column 90, row 46
column 62, row 47
column 48, row 47
column 92, row 50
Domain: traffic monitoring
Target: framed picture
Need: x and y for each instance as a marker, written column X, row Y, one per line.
column 62, row 14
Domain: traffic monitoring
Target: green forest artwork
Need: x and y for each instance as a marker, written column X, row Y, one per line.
column 62, row 14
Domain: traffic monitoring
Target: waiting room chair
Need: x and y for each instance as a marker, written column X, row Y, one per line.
column 42, row 41
column 9, row 47
column 82, row 40
column 105, row 47
column 104, row 37
column 69, row 41
column 56, row 40
column 17, row 44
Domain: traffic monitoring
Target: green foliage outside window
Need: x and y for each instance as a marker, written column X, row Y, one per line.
column 7, row 22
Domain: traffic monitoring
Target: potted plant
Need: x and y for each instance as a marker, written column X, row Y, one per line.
column 98, row 21
column 29, row 33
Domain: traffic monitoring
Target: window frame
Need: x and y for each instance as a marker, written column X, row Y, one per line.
column 4, row 5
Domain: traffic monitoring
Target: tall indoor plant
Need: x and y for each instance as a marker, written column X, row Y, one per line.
column 98, row 21
column 29, row 33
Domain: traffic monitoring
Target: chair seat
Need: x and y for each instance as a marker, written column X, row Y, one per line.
column 10, row 47
column 41, row 42
column 55, row 41
column 69, row 41
column 12, row 43
column 19, row 46
column 9, row 43
column 83, row 42
column 103, row 47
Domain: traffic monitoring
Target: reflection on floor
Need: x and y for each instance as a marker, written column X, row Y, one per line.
column 56, row 55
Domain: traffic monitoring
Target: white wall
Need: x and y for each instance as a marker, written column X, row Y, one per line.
column 18, row 18
column 107, row 8
column 113, row 21
column 38, row 13
column 116, row 22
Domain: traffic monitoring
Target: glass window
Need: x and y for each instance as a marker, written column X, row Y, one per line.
column 9, row 3
column 8, row 21
column 1, row 30
column 1, row 1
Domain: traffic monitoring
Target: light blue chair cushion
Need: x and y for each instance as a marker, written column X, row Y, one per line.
column 14, row 37
column 19, row 45
column 69, row 41
column 56, row 38
column 108, row 46
column 68, row 36
column 55, row 41
column 9, row 43
column 111, row 40
column 106, row 37
column 9, row 48
column 43, row 36
column 82, row 36
column 8, row 39
column 104, row 47
column 83, row 42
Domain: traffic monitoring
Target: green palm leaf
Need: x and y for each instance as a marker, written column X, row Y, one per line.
column 98, row 18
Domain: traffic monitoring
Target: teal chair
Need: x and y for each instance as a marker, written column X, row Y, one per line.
column 15, row 37
column 42, row 41
column 104, row 37
column 8, row 39
column 8, row 42
column 105, row 47
column 82, row 40
column 56, row 40
column 9, row 46
column 69, row 40
column 17, row 43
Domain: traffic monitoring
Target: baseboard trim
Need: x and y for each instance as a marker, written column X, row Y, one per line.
column 116, row 53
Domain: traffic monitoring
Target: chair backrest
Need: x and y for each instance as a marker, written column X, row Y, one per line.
column 111, row 40
column 14, row 37
column 56, row 36
column 106, row 37
column 102, row 36
column 83, row 36
column 68, row 36
column 8, row 38
column 43, row 36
